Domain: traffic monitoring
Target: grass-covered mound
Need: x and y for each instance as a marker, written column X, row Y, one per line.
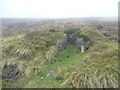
column 99, row 67
column 35, row 45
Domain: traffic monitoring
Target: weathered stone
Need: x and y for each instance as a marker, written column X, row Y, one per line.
column 61, row 44
column 83, row 44
column 10, row 72
column 51, row 74
column 80, row 44
column 71, row 35
column 82, row 48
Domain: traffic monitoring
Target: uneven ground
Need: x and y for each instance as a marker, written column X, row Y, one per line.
column 97, row 67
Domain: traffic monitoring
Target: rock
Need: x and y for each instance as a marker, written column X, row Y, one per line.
column 61, row 44
column 71, row 35
column 80, row 44
column 82, row 48
column 11, row 72
column 83, row 44
column 2, row 63
column 51, row 74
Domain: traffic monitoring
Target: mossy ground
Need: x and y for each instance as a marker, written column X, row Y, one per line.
column 66, row 58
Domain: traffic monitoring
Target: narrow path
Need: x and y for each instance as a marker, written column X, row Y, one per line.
column 64, row 59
